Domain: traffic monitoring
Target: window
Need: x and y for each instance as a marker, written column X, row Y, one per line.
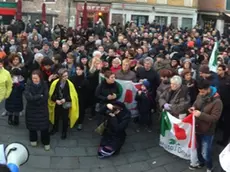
column 162, row 1
column 174, row 22
column 188, row 3
column 161, row 20
column 187, row 22
column 141, row 1
column 139, row 20
column 52, row 1
column 227, row 4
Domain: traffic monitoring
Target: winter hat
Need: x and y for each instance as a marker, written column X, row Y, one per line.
column 47, row 62
column 16, row 71
column 161, row 56
column 146, row 83
column 187, row 60
column 204, row 69
column 46, row 43
column 190, row 44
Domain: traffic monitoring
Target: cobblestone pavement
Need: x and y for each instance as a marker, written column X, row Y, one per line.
column 78, row 153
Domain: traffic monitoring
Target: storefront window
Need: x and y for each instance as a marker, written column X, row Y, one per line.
column 187, row 23
column 161, row 20
column 174, row 22
column 227, row 4
column 140, row 20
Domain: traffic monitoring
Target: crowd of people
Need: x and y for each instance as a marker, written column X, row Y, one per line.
column 58, row 73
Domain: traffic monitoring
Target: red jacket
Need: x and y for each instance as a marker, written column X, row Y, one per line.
column 114, row 70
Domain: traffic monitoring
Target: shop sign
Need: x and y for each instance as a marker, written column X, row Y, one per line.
column 93, row 8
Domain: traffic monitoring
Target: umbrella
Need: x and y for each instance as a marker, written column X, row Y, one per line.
column 43, row 12
column 19, row 10
column 85, row 22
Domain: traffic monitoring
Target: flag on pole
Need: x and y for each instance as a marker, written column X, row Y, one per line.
column 178, row 136
column 213, row 59
column 224, row 158
column 128, row 91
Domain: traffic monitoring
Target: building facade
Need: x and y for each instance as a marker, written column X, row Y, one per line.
column 180, row 13
column 211, row 13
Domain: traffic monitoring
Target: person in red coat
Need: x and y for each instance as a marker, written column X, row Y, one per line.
column 116, row 65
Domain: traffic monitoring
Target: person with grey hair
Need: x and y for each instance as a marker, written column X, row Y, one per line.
column 148, row 73
column 97, row 54
column 175, row 99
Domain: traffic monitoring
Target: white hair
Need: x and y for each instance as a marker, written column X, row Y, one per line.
column 148, row 60
column 176, row 80
column 117, row 60
column 97, row 53
column 37, row 56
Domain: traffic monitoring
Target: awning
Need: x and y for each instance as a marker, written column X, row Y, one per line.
column 227, row 14
column 7, row 11
column 209, row 13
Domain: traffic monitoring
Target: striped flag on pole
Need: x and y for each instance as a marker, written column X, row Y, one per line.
column 213, row 59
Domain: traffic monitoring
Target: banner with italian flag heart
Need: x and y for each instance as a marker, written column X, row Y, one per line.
column 178, row 136
column 128, row 91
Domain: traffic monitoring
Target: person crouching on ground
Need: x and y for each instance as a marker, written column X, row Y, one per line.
column 118, row 117
column 63, row 101
column 144, row 102
column 207, row 109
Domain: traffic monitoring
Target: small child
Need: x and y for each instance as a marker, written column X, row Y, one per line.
column 143, row 99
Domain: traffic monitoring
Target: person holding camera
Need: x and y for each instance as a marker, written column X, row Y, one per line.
column 113, row 138
column 107, row 91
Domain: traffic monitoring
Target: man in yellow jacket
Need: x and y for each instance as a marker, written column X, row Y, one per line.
column 5, row 82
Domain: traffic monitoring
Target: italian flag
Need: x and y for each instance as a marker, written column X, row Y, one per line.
column 178, row 136
column 213, row 59
column 128, row 90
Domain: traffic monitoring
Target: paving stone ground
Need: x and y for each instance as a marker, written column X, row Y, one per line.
column 78, row 153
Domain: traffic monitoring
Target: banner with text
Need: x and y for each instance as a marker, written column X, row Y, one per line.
column 178, row 136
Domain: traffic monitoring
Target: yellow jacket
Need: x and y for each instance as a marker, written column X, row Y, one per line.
column 74, row 110
column 5, row 84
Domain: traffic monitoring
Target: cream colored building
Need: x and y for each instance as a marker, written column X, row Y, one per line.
column 181, row 13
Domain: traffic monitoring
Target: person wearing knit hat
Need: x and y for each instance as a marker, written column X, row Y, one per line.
column 187, row 64
column 144, row 106
column 212, row 77
column 161, row 63
column 46, row 50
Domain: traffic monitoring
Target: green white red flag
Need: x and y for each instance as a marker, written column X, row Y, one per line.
column 178, row 136
column 128, row 91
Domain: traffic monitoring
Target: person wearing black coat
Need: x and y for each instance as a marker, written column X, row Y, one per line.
column 14, row 104
column 81, row 85
column 61, row 94
column 114, row 135
column 224, row 92
column 37, row 115
column 144, row 106
column 108, row 90
column 191, row 85
column 93, row 79
column 147, row 72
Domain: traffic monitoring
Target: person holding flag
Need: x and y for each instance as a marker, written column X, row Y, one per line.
column 207, row 109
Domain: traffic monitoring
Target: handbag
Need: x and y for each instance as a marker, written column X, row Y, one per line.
column 101, row 128
column 66, row 105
